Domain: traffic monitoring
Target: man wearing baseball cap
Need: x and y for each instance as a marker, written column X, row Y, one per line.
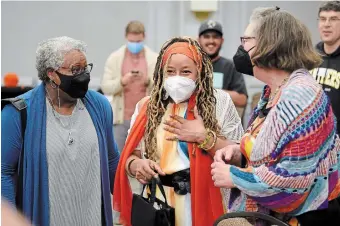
column 225, row 75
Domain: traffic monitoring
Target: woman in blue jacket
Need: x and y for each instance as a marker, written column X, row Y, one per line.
column 70, row 156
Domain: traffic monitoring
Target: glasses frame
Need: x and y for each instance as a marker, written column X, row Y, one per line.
column 243, row 38
column 87, row 68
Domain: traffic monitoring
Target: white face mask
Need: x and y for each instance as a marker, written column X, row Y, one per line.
column 179, row 88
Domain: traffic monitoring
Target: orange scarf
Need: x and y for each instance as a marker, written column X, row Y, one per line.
column 122, row 195
column 183, row 48
column 206, row 199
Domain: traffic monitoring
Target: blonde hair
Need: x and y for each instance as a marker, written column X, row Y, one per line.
column 134, row 27
column 283, row 42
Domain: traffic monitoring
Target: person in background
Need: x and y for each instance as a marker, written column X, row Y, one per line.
column 328, row 73
column 225, row 76
column 11, row 80
column 128, row 78
column 70, row 156
column 287, row 164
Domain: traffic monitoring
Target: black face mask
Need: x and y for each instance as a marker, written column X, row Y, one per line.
column 243, row 62
column 75, row 86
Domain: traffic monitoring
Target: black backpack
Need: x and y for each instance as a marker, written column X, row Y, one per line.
column 21, row 106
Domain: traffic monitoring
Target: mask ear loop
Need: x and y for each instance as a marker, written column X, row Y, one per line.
column 166, row 95
column 55, row 86
column 251, row 49
column 52, row 83
column 249, row 56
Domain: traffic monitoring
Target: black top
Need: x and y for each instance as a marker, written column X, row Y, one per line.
column 232, row 80
column 10, row 92
column 328, row 75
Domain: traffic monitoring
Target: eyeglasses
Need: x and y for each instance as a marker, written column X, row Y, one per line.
column 244, row 39
column 332, row 20
column 76, row 70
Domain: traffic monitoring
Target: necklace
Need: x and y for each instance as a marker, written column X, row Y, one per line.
column 271, row 97
column 70, row 139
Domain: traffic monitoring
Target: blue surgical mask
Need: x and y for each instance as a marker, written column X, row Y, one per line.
column 135, row 47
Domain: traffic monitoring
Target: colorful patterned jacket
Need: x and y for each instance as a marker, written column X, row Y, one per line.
column 293, row 160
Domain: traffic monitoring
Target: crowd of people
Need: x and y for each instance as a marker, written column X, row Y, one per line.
column 175, row 116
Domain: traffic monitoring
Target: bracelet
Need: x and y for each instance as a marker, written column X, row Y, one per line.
column 206, row 140
column 129, row 170
column 214, row 141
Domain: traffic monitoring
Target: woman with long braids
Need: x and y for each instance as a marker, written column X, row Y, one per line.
column 174, row 134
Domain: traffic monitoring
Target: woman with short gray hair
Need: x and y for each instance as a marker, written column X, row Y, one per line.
column 288, row 161
column 69, row 153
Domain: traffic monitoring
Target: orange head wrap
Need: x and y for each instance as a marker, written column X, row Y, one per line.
column 183, row 48
column 11, row 80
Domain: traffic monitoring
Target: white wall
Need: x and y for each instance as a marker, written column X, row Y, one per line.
column 101, row 25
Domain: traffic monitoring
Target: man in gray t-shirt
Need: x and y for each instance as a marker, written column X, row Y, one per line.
column 225, row 75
